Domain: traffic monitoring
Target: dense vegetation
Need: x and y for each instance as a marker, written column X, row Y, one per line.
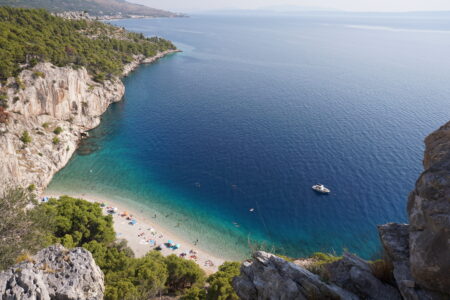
column 29, row 36
column 78, row 223
column 21, row 230
column 93, row 7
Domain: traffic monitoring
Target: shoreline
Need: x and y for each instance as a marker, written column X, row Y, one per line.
column 160, row 233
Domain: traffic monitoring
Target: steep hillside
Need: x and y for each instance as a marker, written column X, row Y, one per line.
column 93, row 7
column 31, row 36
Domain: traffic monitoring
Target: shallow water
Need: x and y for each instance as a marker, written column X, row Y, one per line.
column 258, row 109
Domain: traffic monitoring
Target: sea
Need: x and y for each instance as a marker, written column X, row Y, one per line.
column 224, row 140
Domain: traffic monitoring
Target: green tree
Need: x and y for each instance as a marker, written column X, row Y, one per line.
column 183, row 273
column 220, row 287
column 30, row 36
column 82, row 220
column 194, row 293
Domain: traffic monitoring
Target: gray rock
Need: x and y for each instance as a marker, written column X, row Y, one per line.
column 354, row 274
column 270, row 277
column 395, row 240
column 429, row 216
column 55, row 273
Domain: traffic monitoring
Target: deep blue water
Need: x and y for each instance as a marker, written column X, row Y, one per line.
column 258, row 109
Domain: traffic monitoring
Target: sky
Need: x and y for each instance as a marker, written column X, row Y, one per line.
column 346, row 5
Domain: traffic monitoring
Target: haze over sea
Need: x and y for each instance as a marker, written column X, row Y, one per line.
column 255, row 111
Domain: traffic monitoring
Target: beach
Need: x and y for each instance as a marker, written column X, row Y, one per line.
column 148, row 233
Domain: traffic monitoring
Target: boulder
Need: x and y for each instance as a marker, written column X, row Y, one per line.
column 54, row 273
column 429, row 216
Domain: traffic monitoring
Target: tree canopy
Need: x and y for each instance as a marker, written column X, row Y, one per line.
column 29, row 36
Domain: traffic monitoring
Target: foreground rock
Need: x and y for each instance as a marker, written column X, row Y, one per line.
column 429, row 215
column 270, row 277
column 395, row 240
column 355, row 274
column 54, row 273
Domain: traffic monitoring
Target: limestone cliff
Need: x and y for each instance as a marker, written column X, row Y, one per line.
column 54, row 273
column 39, row 101
column 429, row 215
column 45, row 98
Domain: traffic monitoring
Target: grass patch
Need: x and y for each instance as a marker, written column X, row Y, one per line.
column 319, row 261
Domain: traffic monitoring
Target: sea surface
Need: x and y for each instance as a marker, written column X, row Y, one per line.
column 257, row 109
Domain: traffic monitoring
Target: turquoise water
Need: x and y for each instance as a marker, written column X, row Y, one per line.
column 258, row 109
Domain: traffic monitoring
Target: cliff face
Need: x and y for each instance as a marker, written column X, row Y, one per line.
column 419, row 252
column 429, row 215
column 48, row 97
column 54, row 273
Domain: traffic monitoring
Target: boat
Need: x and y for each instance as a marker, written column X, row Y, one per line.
column 320, row 188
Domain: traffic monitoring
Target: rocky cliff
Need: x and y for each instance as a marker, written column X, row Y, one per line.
column 39, row 101
column 54, row 273
column 417, row 254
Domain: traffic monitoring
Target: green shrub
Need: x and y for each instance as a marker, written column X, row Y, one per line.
column 25, row 138
column 57, row 130
column 31, row 188
column 45, row 125
column 319, row 261
column 55, row 140
column 37, row 74
column 3, row 100
column 19, row 82
column 383, row 270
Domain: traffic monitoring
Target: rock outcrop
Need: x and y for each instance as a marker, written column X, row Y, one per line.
column 395, row 240
column 270, row 277
column 429, row 215
column 54, row 273
column 45, row 98
column 355, row 275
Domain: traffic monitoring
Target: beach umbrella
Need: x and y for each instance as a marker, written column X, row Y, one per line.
column 169, row 242
column 133, row 222
column 178, row 245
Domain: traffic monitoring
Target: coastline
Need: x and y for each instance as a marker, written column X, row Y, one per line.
column 161, row 234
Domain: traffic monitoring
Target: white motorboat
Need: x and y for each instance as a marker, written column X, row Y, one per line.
column 320, row 188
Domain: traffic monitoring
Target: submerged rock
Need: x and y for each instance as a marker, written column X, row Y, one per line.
column 54, row 273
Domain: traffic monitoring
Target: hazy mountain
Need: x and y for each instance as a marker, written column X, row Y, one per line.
column 93, row 7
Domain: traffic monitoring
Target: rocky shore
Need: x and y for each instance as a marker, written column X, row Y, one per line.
column 55, row 106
